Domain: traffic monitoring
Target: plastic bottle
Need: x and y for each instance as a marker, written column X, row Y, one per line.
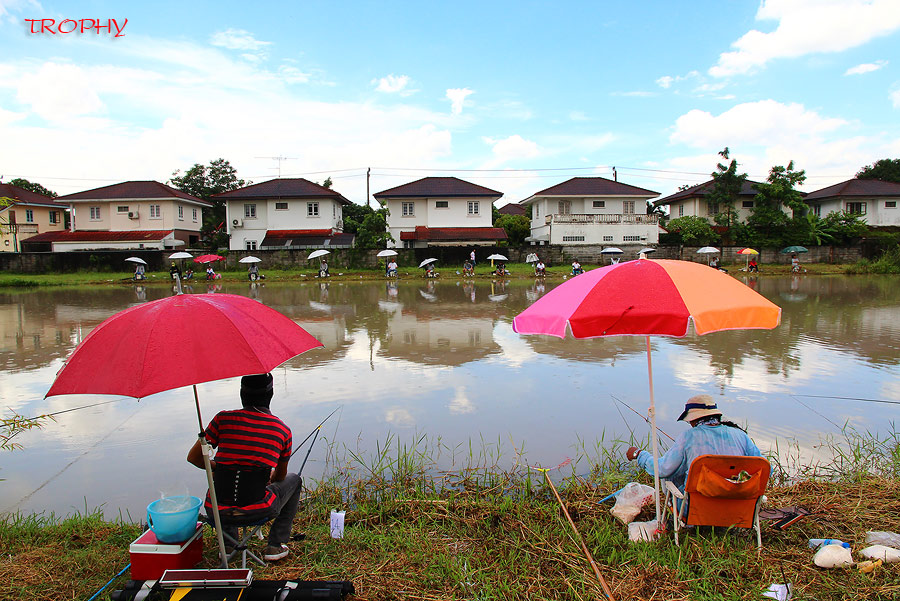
column 818, row 542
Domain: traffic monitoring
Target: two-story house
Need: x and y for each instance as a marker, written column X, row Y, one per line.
column 25, row 214
column 592, row 210
column 692, row 201
column 441, row 211
column 873, row 199
column 129, row 215
column 290, row 213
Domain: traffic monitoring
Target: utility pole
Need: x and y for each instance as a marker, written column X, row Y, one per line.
column 279, row 159
column 368, row 176
column 615, row 175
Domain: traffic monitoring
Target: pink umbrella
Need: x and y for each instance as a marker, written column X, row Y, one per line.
column 648, row 297
column 208, row 258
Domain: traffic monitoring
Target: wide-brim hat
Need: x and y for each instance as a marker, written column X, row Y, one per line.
column 701, row 405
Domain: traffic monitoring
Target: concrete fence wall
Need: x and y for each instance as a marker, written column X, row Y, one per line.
column 350, row 258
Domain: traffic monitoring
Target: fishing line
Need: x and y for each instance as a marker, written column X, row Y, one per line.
column 315, row 430
column 848, row 398
column 61, row 412
column 816, row 412
column 658, row 429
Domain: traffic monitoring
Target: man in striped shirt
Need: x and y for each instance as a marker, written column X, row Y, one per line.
column 253, row 437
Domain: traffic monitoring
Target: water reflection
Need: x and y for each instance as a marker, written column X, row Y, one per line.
column 440, row 357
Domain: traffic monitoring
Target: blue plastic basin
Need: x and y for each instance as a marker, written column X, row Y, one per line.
column 173, row 519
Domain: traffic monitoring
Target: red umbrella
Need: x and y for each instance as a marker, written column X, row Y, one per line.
column 208, row 258
column 178, row 341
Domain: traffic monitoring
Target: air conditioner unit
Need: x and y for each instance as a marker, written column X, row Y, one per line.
column 133, row 214
column 237, row 222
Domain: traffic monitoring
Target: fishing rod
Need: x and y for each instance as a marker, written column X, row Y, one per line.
column 643, row 417
column 314, row 434
column 848, row 398
column 42, row 416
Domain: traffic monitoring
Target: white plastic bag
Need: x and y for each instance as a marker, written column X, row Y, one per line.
column 630, row 499
column 832, row 556
column 643, row 531
column 888, row 539
column 888, row 554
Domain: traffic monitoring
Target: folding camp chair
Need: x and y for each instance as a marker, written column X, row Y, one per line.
column 710, row 498
column 240, row 486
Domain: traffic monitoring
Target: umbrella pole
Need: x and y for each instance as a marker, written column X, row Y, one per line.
column 655, row 436
column 204, row 447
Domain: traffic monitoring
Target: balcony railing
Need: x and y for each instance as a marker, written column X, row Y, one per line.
column 603, row 218
column 19, row 228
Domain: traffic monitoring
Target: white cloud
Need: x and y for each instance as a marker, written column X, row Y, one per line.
column 59, row 91
column 391, row 84
column 399, row 417
column 291, row 74
column 750, row 123
column 461, row 403
column 578, row 116
column 806, row 27
column 237, row 39
column 457, row 98
column 8, row 6
column 666, row 81
column 895, row 98
column 513, row 147
column 866, row 68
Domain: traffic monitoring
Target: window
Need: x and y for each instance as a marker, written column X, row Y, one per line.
column 441, row 204
column 95, row 213
column 599, row 204
column 408, row 209
column 746, row 204
column 565, row 207
column 194, row 215
column 122, row 209
column 312, row 209
column 537, row 211
column 817, row 210
column 890, row 204
column 250, row 211
column 281, row 206
column 180, row 213
column 54, row 216
column 473, row 207
column 155, row 212
column 249, row 244
column 631, row 238
column 334, row 210
column 607, row 238
column 573, row 238
column 29, row 216
column 681, row 210
column 856, row 208
column 628, row 207
column 712, row 208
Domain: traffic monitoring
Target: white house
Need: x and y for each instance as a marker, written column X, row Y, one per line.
column 284, row 214
column 592, row 210
column 441, row 211
column 692, row 202
column 129, row 215
column 873, row 199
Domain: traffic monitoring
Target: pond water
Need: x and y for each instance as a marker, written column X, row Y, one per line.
column 440, row 359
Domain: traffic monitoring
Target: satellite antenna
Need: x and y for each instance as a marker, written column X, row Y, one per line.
column 279, row 159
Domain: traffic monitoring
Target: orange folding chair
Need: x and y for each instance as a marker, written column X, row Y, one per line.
column 711, row 498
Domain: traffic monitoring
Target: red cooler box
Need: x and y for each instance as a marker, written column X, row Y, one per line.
column 150, row 558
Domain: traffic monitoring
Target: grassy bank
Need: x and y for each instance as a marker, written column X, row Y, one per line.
column 517, row 271
column 482, row 531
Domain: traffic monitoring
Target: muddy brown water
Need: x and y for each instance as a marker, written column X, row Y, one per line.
column 440, row 359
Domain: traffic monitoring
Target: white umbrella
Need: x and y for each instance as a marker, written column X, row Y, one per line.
column 496, row 257
column 707, row 250
column 318, row 253
column 531, row 258
column 612, row 250
column 250, row 259
column 426, row 262
column 647, row 250
column 136, row 260
column 181, row 255
column 387, row 253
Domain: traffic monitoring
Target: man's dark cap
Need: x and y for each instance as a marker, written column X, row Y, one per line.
column 257, row 390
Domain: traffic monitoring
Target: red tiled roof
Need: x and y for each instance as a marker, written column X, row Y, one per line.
column 454, row 233
column 140, row 235
column 512, row 209
column 594, row 186
column 857, row 187
column 27, row 197
column 306, row 238
column 748, row 189
column 284, row 188
column 127, row 190
column 438, row 187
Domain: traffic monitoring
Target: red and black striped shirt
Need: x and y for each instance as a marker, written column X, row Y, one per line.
column 251, row 437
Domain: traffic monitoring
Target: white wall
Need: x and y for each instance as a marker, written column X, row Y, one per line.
column 112, row 220
column 269, row 218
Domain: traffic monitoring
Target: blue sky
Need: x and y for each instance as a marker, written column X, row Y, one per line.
column 516, row 96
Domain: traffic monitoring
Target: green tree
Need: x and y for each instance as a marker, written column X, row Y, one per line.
column 845, row 228
column 32, row 186
column 727, row 185
column 327, row 183
column 517, row 228
column 372, row 232
column 353, row 215
column 204, row 182
column 884, row 169
column 816, row 231
column 693, row 230
column 12, row 425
